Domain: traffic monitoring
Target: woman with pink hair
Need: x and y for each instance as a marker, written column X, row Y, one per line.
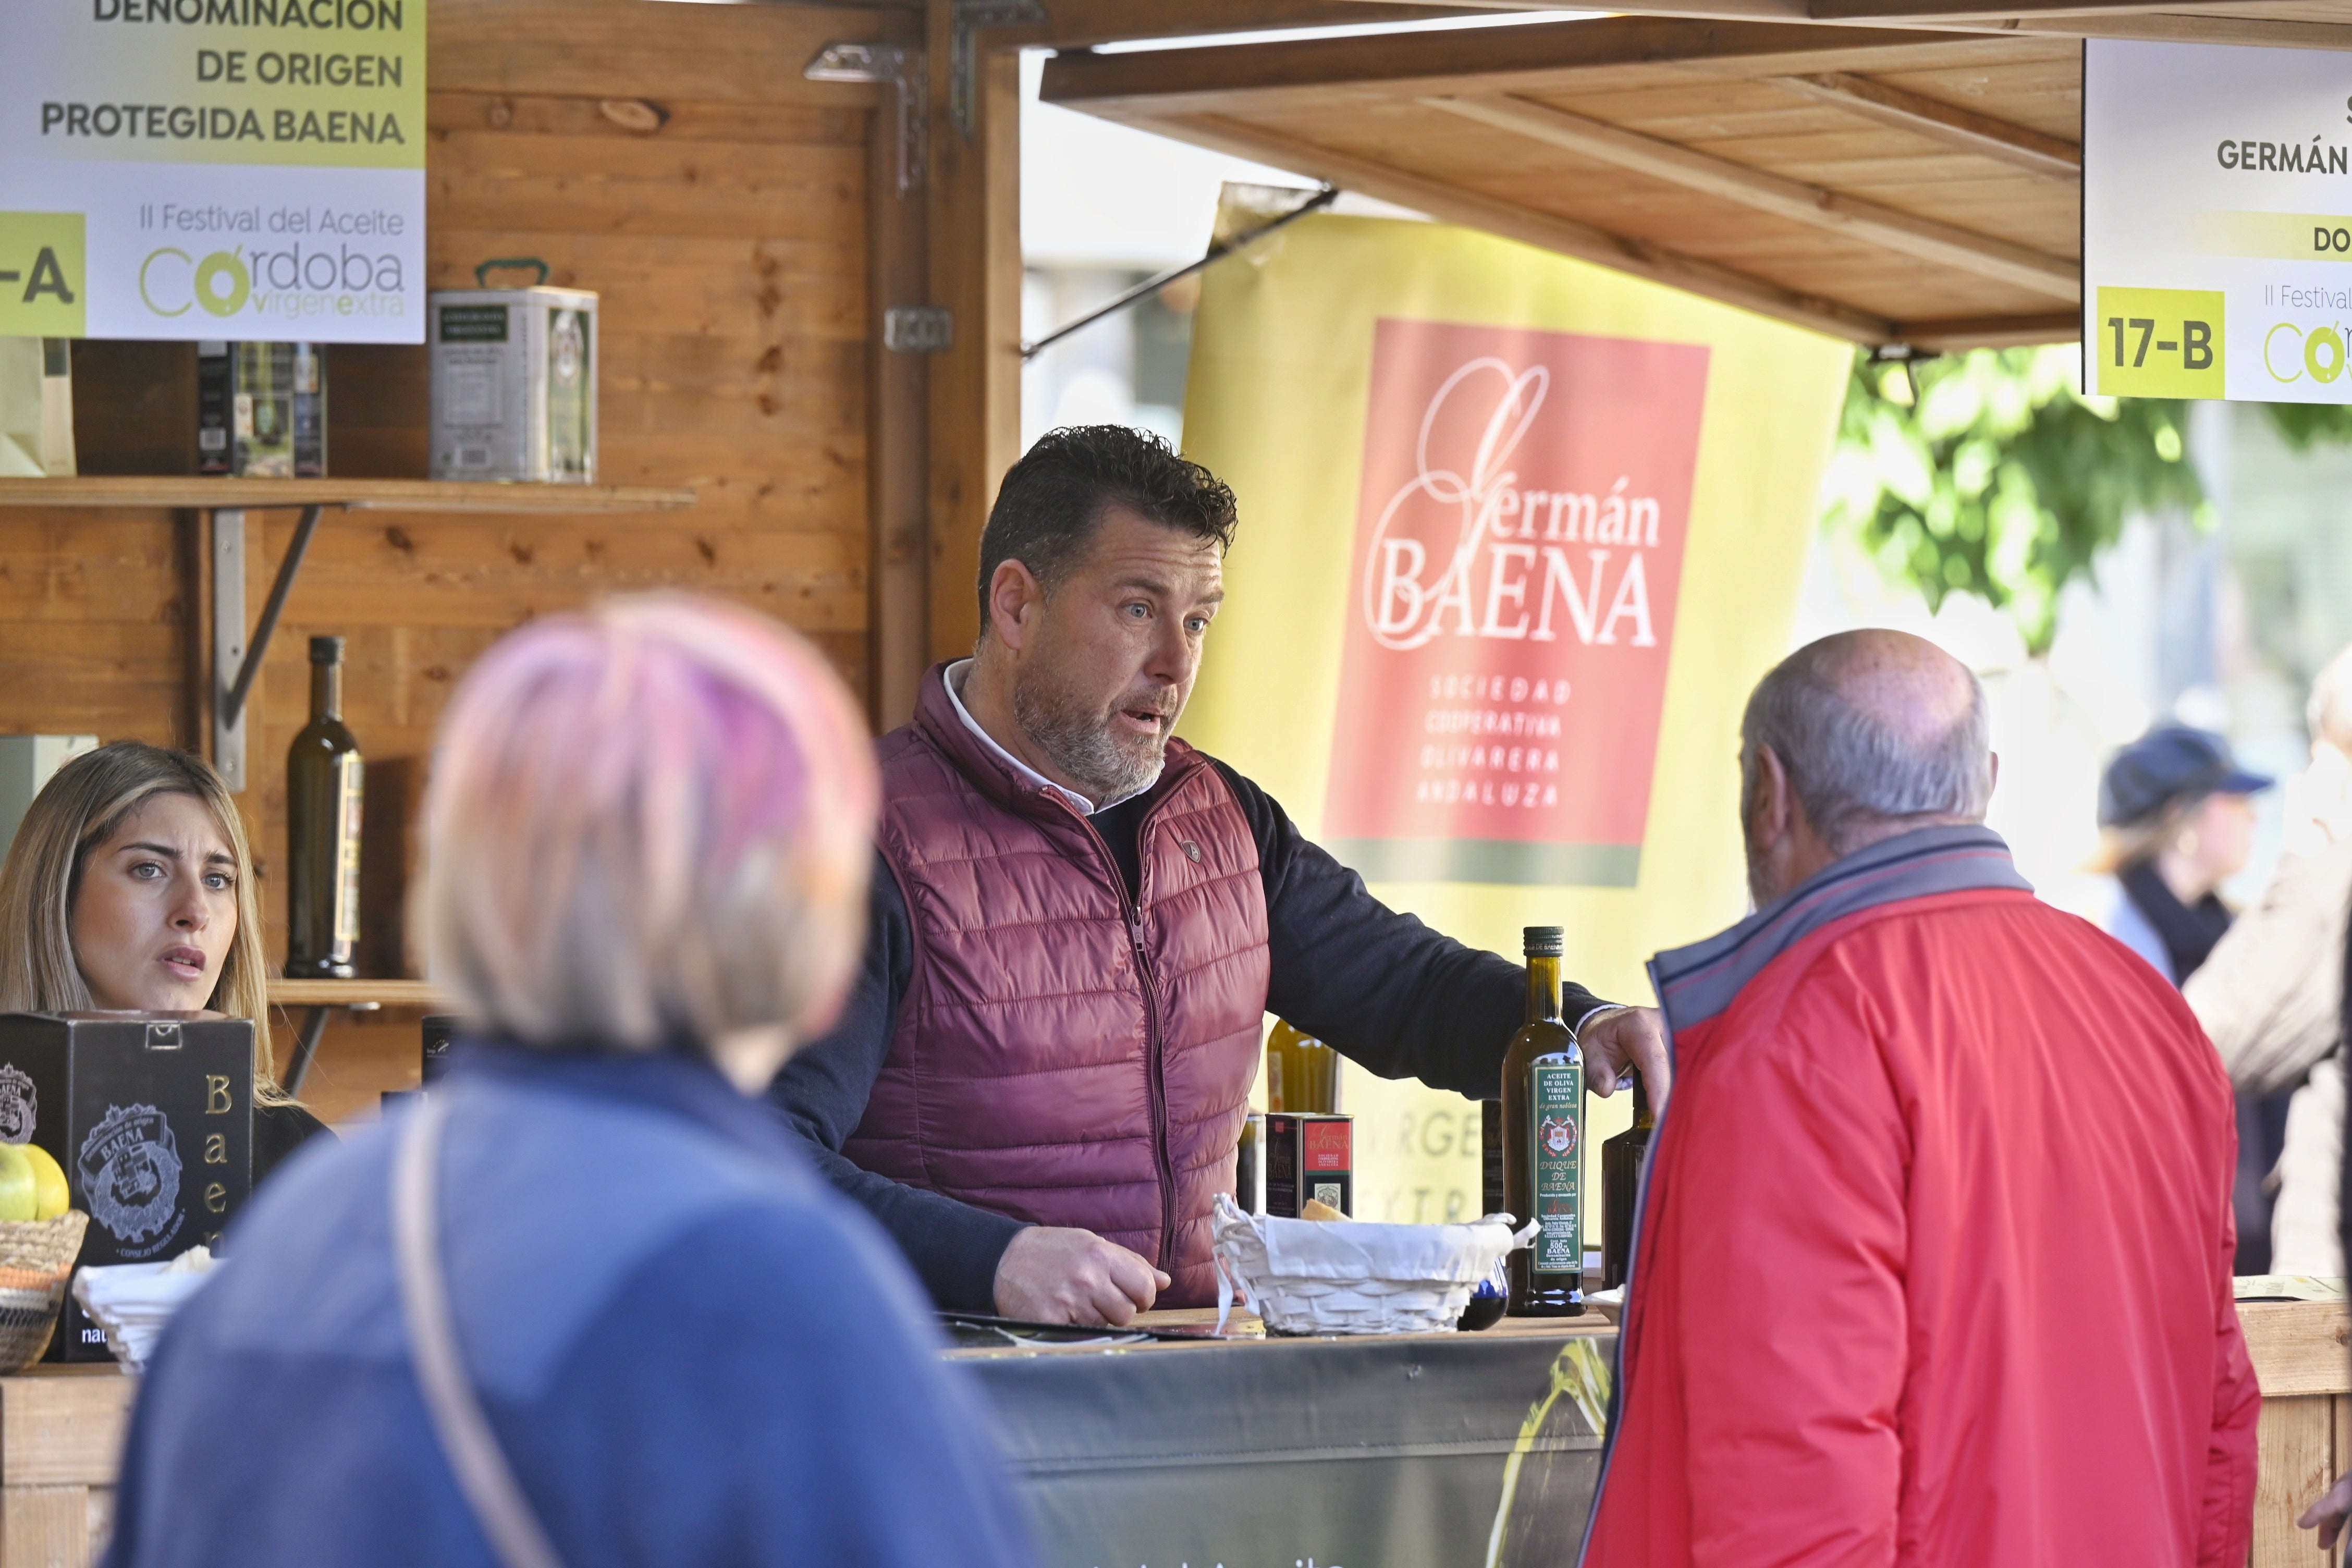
column 588, row 1305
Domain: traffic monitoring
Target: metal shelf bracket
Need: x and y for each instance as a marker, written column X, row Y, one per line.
column 236, row 659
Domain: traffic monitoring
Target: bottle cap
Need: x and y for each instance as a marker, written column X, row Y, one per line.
column 326, row 650
column 1546, row 941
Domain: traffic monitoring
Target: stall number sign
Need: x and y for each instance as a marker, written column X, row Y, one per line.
column 2216, row 222
column 221, row 169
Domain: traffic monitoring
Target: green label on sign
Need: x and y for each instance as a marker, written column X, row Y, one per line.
column 1556, row 1109
column 42, row 291
column 2162, row 342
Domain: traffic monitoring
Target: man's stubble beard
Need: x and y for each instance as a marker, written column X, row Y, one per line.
column 1080, row 742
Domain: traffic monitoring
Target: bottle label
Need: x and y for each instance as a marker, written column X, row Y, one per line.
column 350, row 793
column 1555, row 1110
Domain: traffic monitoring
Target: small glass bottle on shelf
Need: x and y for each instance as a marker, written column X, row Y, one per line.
column 325, row 787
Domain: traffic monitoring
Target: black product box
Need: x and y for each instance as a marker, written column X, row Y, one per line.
column 261, row 410
column 151, row 1117
column 440, row 1031
column 1309, row 1155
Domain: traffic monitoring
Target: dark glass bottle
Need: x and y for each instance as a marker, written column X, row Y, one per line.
column 324, row 787
column 1543, row 1143
column 1621, row 1187
column 1490, row 1156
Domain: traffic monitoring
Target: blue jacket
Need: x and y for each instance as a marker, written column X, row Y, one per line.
column 691, row 1349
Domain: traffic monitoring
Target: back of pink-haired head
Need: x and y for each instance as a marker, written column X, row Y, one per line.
column 648, row 822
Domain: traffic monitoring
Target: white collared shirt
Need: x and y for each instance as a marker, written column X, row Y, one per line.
column 956, row 674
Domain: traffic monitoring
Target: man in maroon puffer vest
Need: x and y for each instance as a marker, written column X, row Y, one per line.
column 1079, row 922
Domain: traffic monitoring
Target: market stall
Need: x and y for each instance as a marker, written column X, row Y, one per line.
column 802, row 223
column 1366, row 1451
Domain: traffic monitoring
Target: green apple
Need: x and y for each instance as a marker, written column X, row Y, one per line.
column 51, row 1197
column 19, row 1200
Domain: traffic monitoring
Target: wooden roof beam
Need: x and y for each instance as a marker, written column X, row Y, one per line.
column 1490, row 59
column 1925, row 238
column 1080, row 23
column 1453, row 203
column 1949, row 123
column 2184, row 21
column 2167, row 20
column 1958, row 336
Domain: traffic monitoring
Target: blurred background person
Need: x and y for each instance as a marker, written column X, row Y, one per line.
column 2271, row 996
column 2177, row 821
column 129, row 887
column 588, row 1304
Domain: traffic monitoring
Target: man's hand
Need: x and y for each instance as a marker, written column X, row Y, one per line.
column 1051, row 1274
column 2328, row 1514
column 1636, row 1037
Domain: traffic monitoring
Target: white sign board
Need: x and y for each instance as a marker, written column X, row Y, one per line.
column 237, row 169
column 2217, row 221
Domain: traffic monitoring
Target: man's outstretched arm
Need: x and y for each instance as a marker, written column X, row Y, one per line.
column 1391, row 993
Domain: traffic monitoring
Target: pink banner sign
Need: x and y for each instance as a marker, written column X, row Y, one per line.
column 1518, row 551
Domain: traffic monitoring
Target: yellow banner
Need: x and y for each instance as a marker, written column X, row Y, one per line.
column 1518, row 535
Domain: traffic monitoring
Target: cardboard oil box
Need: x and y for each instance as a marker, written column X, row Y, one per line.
column 261, row 410
column 1309, row 1155
column 514, row 384
column 151, row 1117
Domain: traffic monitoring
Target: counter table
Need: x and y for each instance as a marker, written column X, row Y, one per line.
column 1431, row 1450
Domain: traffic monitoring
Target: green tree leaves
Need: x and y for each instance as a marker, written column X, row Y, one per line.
column 1999, row 480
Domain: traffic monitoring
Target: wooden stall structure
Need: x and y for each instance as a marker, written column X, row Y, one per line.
column 61, row 1432
column 746, row 230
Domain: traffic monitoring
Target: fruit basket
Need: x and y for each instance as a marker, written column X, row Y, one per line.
column 36, row 1260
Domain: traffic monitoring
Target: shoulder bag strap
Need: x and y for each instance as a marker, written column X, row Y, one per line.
column 472, row 1448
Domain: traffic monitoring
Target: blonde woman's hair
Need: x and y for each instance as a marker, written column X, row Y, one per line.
column 2127, row 844
column 649, row 827
column 81, row 807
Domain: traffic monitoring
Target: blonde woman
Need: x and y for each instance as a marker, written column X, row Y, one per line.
column 589, row 1304
column 129, row 887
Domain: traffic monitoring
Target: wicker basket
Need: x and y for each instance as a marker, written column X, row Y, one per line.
column 1354, row 1278
column 36, row 1260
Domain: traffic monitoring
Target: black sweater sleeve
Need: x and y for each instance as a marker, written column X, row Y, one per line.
column 822, row 1094
column 1378, row 986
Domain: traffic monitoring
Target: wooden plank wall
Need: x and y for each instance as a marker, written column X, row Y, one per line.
column 730, row 249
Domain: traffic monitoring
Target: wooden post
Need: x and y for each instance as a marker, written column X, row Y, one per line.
column 975, row 272
column 898, row 269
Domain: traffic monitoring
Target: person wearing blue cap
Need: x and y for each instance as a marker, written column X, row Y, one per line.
column 2177, row 822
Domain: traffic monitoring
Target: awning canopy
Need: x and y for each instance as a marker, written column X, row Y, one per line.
column 1888, row 185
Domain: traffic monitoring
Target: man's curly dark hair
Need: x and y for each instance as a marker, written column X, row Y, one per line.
column 1053, row 500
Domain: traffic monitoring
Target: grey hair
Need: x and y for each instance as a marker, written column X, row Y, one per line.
column 1850, row 770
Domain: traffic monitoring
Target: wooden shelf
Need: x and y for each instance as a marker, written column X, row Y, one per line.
column 351, row 495
column 345, row 993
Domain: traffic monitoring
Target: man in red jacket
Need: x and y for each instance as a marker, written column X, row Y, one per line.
column 1935, row 1248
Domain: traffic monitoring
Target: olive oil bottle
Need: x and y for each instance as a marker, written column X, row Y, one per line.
column 1302, row 1073
column 1543, row 1143
column 1621, row 1187
column 324, row 789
